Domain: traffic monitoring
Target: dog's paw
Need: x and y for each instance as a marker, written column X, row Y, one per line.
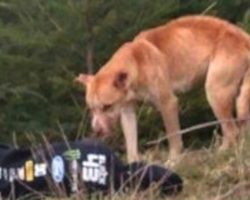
column 174, row 159
column 170, row 163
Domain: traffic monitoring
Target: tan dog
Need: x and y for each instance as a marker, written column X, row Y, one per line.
column 170, row 59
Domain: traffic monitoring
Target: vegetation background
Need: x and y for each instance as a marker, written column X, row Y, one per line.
column 44, row 44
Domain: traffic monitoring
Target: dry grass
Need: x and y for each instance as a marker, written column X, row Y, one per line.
column 207, row 173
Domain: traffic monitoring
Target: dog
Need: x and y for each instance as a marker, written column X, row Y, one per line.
column 162, row 62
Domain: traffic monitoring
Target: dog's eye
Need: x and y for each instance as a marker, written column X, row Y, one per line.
column 106, row 107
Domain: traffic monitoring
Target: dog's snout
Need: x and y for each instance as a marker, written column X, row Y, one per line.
column 95, row 125
column 97, row 129
column 99, row 126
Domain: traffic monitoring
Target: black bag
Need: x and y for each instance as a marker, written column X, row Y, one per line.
column 75, row 166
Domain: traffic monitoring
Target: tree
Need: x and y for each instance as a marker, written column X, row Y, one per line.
column 44, row 44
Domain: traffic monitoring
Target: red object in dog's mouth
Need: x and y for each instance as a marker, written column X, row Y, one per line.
column 103, row 135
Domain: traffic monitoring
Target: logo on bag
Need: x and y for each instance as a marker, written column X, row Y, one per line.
column 94, row 169
column 57, row 169
column 12, row 174
column 72, row 154
column 40, row 169
column 21, row 173
column 29, row 170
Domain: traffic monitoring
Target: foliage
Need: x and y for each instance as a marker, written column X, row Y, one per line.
column 44, row 44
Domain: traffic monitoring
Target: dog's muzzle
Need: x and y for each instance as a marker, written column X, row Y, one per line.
column 101, row 126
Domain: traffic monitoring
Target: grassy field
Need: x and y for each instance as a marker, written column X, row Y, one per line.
column 207, row 173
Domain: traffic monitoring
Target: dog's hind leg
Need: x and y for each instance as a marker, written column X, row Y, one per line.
column 222, row 84
column 243, row 103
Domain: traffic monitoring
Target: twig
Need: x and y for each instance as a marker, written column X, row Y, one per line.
column 233, row 190
column 210, row 7
column 51, row 19
column 193, row 128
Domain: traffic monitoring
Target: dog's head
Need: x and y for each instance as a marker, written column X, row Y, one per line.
column 108, row 91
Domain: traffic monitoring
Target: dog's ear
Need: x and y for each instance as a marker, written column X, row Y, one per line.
column 121, row 80
column 84, row 79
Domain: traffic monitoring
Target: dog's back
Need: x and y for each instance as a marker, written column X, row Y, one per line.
column 190, row 43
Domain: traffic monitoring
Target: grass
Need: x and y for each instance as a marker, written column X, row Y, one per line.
column 207, row 173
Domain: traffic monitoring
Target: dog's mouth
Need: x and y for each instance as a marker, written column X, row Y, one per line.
column 102, row 130
column 103, row 125
column 103, row 133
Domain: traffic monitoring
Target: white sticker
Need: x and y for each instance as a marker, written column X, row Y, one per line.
column 94, row 170
column 40, row 169
column 12, row 174
column 57, row 169
column 74, row 172
column 1, row 171
column 5, row 174
column 20, row 173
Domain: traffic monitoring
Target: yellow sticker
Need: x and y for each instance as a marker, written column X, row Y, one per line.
column 29, row 170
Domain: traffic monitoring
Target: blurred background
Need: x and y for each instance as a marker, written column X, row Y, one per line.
column 44, row 44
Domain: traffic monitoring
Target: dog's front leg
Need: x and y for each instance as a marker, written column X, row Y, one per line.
column 129, row 127
column 168, row 106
